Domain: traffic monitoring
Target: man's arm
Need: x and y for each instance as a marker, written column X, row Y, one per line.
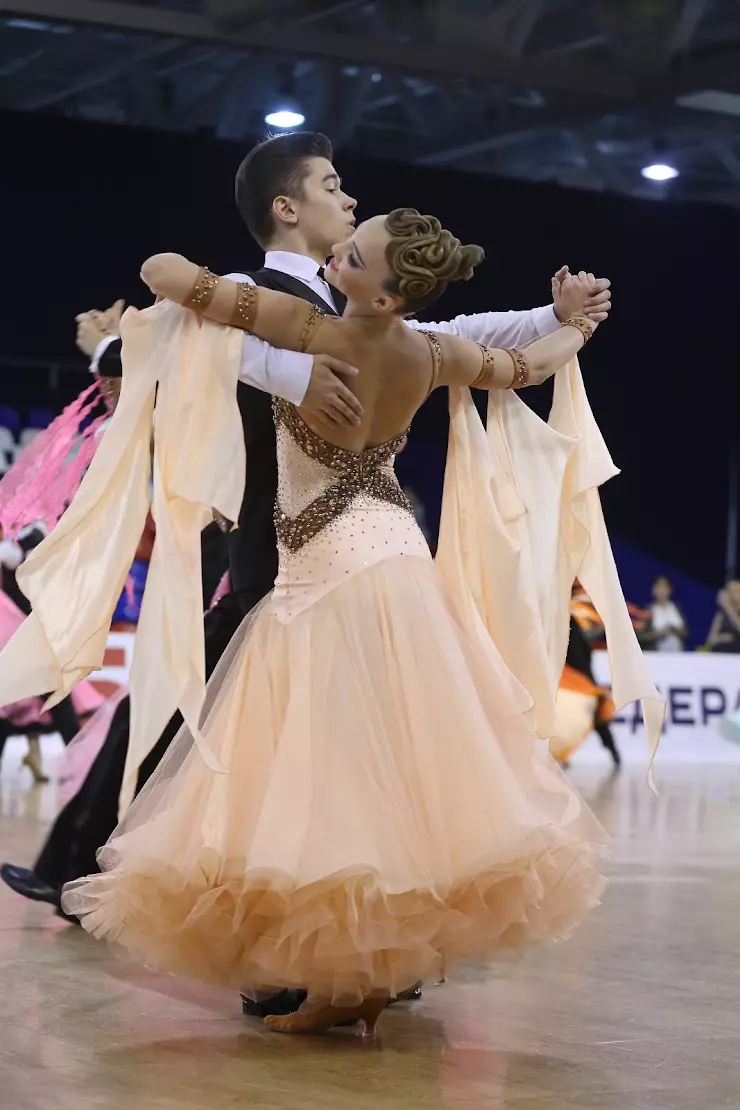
column 517, row 329
column 499, row 329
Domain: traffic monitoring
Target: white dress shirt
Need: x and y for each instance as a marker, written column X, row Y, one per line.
column 286, row 374
column 99, row 351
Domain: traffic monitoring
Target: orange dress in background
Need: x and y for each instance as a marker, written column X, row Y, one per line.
column 581, row 703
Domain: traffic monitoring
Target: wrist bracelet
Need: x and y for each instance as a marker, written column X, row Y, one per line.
column 582, row 323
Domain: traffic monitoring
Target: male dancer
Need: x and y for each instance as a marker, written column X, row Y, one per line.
column 291, row 199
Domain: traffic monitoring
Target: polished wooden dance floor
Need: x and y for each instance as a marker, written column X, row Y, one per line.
column 641, row 1010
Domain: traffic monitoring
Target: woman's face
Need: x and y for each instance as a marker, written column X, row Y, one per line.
column 360, row 270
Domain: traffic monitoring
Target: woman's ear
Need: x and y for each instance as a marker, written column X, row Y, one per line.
column 388, row 302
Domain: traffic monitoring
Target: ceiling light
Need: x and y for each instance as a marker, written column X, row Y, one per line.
column 659, row 171
column 285, row 118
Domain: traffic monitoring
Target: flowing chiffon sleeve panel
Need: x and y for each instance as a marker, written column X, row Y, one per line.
column 198, row 466
column 521, row 520
column 74, row 578
column 586, row 541
column 483, row 553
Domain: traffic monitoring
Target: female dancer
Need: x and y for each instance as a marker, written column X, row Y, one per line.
column 387, row 808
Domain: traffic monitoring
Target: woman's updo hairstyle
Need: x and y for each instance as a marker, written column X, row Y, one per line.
column 424, row 258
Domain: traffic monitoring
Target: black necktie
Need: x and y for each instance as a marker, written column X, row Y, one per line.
column 339, row 298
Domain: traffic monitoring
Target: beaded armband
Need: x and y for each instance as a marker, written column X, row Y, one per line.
column 245, row 308
column 313, row 322
column 485, row 378
column 204, row 287
column 521, row 370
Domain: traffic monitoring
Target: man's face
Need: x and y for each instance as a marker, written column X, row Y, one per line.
column 325, row 212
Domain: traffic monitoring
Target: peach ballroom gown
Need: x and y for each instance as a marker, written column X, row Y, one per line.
column 361, row 798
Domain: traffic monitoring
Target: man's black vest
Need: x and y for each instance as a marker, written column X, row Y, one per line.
column 253, row 554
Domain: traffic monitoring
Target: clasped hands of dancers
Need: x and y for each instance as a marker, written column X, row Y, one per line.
column 360, row 698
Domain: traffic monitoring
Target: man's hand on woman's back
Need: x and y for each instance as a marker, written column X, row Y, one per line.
column 327, row 398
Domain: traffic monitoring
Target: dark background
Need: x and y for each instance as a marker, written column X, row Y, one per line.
column 82, row 206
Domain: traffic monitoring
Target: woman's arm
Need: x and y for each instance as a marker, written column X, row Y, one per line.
column 492, row 368
column 278, row 318
column 467, row 363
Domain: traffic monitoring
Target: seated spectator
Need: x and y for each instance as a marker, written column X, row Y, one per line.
column 724, row 635
column 666, row 629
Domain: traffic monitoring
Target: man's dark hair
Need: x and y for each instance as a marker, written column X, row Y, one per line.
column 276, row 167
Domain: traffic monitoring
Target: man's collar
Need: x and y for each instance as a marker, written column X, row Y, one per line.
column 297, row 265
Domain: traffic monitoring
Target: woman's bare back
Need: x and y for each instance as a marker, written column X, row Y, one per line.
column 397, row 368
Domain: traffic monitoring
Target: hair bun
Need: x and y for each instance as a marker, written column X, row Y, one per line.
column 425, row 256
column 470, row 256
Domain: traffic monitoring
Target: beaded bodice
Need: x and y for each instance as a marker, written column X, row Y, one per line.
column 318, row 482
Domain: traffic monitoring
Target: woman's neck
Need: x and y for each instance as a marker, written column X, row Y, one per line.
column 364, row 318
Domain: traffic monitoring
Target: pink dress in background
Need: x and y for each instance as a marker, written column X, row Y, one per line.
column 28, row 714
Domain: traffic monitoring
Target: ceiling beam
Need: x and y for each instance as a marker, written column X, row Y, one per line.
column 244, row 95
column 421, row 56
column 233, row 14
column 524, row 27
column 203, row 105
column 684, row 29
column 353, row 105
column 519, row 127
column 340, row 7
column 101, row 75
column 726, row 155
column 611, row 172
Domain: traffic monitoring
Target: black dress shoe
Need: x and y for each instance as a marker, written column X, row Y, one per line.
column 280, row 1004
column 413, row 994
column 26, row 882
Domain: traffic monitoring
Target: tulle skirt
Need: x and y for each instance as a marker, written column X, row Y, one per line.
column 380, row 811
column 80, row 755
